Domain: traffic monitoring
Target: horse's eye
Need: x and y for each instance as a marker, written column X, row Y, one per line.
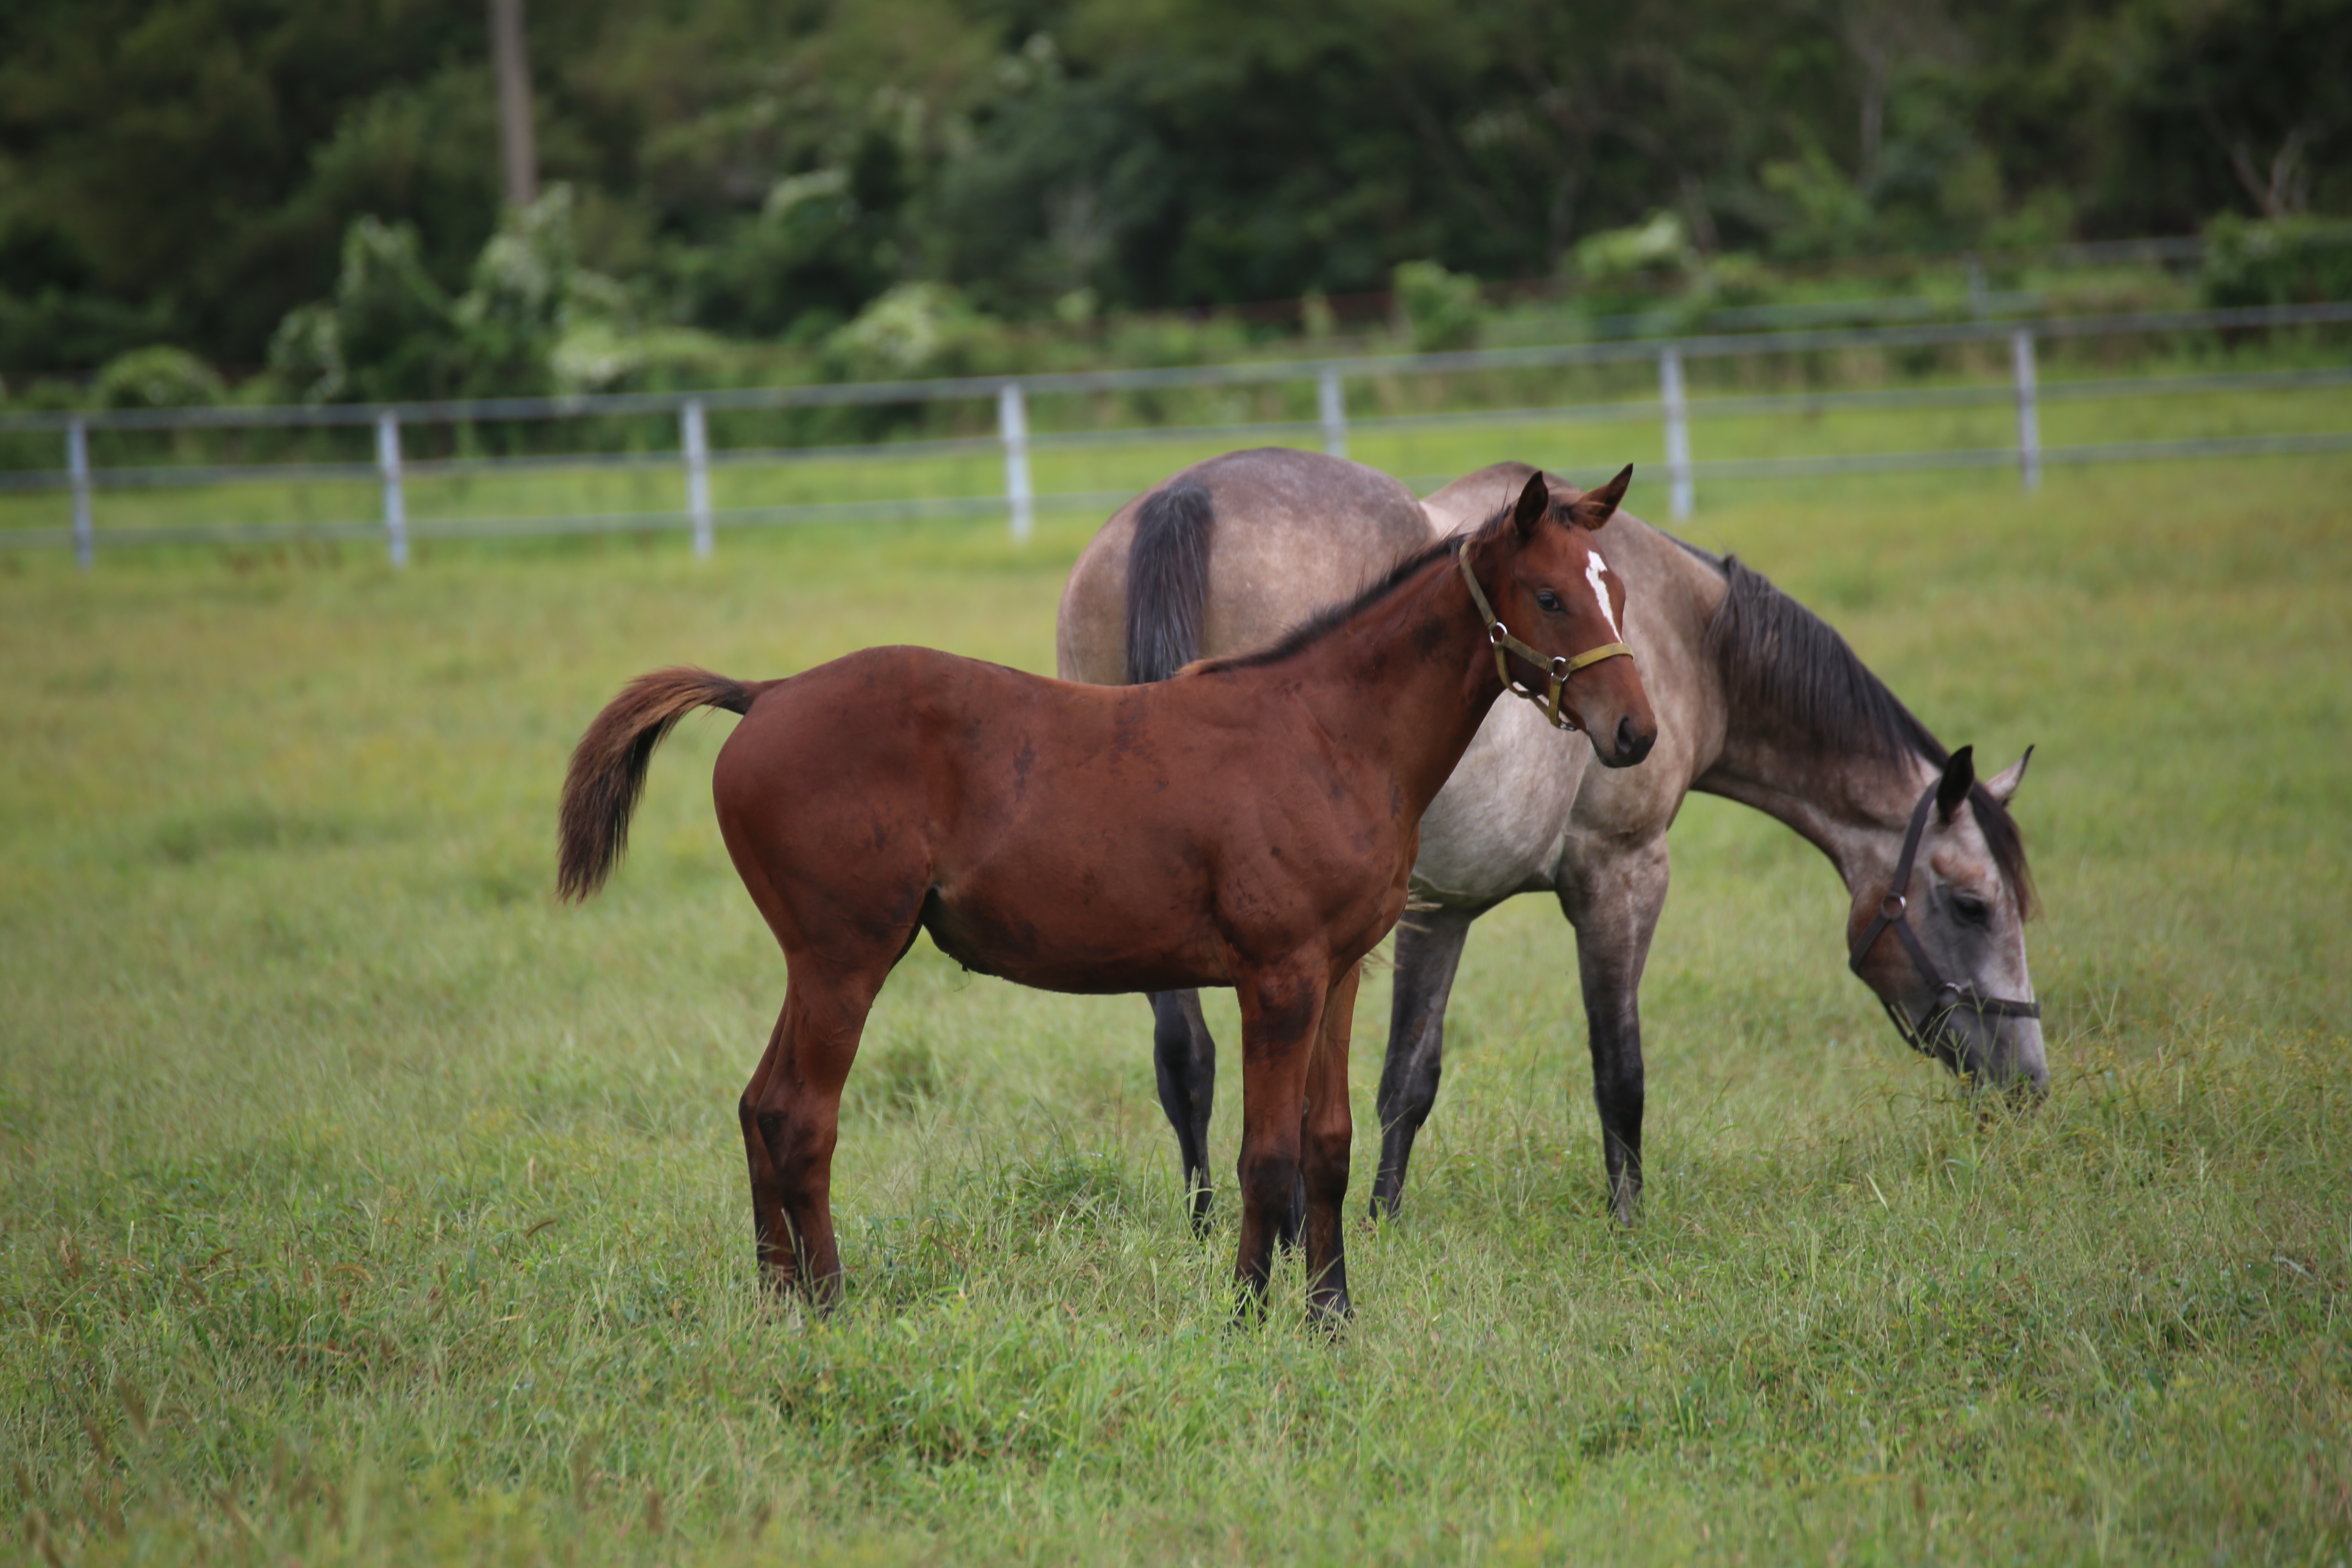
column 1548, row 600
column 1971, row 908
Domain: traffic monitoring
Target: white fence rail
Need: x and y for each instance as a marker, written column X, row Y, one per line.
column 694, row 456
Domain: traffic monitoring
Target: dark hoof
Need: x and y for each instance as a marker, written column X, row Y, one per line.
column 1331, row 1313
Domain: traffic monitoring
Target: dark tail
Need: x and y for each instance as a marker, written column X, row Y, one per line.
column 1168, row 581
column 608, row 767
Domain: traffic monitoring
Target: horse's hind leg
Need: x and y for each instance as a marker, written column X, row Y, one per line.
column 1186, row 1059
column 1428, row 952
column 1327, row 1132
column 770, row 1236
column 791, row 1113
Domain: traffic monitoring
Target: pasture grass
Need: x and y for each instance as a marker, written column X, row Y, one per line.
column 358, row 1204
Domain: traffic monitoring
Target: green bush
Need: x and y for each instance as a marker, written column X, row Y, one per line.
column 1442, row 310
column 2285, row 261
column 158, row 377
column 389, row 332
column 532, row 319
column 913, row 330
column 1659, row 243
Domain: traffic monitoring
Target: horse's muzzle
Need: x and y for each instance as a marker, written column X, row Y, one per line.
column 1632, row 742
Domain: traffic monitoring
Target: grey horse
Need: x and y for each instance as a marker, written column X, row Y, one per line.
column 1757, row 700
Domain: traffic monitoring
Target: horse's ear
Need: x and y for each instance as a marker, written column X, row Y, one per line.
column 1959, row 774
column 2002, row 785
column 1593, row 507
column 1534, row 504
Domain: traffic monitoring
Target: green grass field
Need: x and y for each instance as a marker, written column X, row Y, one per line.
column 358, row 1204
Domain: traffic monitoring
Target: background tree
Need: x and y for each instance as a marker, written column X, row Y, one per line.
column 186, row 170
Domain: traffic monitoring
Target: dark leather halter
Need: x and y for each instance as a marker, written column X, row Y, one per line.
column 1558, row 668
column 1950, row 996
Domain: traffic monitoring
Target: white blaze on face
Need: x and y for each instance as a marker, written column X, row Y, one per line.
column 1594, row 567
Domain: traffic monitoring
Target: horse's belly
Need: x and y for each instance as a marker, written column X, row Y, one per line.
column 1061, row 944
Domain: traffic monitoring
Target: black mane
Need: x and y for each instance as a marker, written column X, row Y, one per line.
column 1778, row 659
column 1329, row 618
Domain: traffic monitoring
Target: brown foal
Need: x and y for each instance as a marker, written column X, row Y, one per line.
column 1251, row 822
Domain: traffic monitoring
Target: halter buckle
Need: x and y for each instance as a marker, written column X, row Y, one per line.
column 1893, row 906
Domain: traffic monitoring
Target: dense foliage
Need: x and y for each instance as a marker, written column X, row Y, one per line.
column 190, row 171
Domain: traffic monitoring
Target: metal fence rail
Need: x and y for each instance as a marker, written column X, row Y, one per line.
column 694, row 456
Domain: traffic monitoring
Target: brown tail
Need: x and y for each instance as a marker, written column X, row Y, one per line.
column 608, row 767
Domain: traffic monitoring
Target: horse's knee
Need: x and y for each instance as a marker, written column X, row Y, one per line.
column 1269, row 1178
column 1407, row 1102
column 1618, row 1095
column 1323, row 1159
column 799, row 1139
column 1421, row 1085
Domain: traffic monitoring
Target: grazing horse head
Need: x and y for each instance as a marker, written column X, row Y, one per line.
column 1940, row 937
column 1542, row 573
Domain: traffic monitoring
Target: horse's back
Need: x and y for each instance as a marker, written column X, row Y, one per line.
column 884, row 722
column 1294, row 531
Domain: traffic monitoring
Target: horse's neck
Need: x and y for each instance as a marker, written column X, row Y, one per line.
column 1853, row 809
column 1404, row 684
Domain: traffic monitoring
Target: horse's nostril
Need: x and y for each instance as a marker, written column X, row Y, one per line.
column 1631, row 741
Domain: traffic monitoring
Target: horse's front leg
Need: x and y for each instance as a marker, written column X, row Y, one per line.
column 1282, row 1008
column 1327, row 1134
column 1428, row 951
column 1614, row 907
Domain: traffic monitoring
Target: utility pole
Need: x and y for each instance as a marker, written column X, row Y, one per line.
column 519, row 158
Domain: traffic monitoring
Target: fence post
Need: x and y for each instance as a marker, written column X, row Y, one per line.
column 77, row 466
column 694, row 437
column 1332, row 404
column 2029, row 418
column 1678, row 457
column 1012, row 427
column 395, row 506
